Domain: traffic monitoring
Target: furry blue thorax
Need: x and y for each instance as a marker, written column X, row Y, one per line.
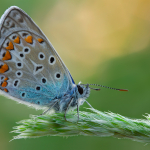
column 73, row 97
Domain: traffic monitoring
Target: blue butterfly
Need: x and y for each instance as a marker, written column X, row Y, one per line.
column 31, row 71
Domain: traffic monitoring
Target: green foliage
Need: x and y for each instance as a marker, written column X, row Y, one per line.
column 94, row 123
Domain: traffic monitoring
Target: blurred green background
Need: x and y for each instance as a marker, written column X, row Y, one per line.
column 101, row 41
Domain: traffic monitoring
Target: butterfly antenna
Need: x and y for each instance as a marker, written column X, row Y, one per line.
column 95, row 89
column 109, row 87
column 105, row 87
column 87, row 85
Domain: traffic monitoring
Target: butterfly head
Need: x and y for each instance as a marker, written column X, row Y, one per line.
column 83, row 91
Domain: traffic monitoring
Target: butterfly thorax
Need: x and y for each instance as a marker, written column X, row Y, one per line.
column 75, row 96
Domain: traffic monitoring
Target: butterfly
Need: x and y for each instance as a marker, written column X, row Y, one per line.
column 31, row 71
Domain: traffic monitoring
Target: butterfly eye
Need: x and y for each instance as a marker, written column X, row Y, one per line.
column 26, row 50
column 80, row 89
column 41, row 56
column 52, row 60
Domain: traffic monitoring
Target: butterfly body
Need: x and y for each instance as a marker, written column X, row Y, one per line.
column 31, row 71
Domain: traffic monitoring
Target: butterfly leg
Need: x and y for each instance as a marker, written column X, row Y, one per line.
column 49, row 108
column 67, row 108
column 89, row 104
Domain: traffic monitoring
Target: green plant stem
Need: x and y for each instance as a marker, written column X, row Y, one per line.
column 93, row 123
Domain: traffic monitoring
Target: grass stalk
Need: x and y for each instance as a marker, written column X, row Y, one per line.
column 93, row 123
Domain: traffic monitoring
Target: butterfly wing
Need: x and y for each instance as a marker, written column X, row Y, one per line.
column 31, row 71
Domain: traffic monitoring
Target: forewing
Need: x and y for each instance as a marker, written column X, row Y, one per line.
column 30, row 68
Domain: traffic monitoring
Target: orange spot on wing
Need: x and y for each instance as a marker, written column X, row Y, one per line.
column 40, row 40
column 17, row 40
column 4, row 68
column 7, row 56
column 4, row 84
column 10, row 46
column 6, row 79
column 29, row 39
column 5, row 90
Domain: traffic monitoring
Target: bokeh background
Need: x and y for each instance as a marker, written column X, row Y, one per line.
column 101, row 41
